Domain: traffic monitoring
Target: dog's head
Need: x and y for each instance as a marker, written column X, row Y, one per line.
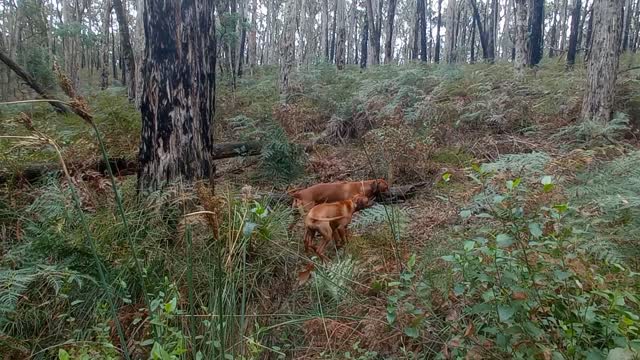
column 361, row 202
column 379, row 186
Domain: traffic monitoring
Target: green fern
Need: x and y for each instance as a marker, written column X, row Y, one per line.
column 595, row 132
column 37, row 280
column 612, row 189
column 394, row 216
column 519, row 163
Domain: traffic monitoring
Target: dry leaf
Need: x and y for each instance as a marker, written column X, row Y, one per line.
column 470, row 330
column 519, row 295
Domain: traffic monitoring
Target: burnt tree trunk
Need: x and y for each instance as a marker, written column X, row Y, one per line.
column 536, row 28
column 127, row 50
column 602, row 67
column 388, row 46
column 178, row 93
column 628, row 10
column 573, row 38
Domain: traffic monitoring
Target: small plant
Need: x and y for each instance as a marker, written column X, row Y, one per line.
column 529, row 287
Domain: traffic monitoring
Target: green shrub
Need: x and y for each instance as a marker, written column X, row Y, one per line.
column 529, row 287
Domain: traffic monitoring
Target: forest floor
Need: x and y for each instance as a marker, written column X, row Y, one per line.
column 524, row 202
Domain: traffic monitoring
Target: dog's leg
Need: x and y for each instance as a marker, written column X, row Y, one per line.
column 325, row 231
column 342, row 234
column 309, row 237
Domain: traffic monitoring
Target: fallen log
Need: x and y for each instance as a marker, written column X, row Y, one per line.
column 122, row 166
column 395, row 194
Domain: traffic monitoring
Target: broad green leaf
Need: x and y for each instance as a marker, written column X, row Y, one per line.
column 411, row 332
column 504, row 240
column 505, row 312
column 547, row 183
column 63, row 354
column 469, row 245
column 412, row 261
column 465, row 214
column 621, row 354
column 391, row 316
column 171, row 305
column 458, row 289
column 449, row 258
column 446, row 177
column 535, row 230
column 533, row 329
column 561, row 275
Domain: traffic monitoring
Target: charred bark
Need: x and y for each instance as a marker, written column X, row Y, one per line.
column 178, row 93
column 536, row 21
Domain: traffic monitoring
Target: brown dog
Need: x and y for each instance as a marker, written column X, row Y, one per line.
column 331, row 221
column 306, row 199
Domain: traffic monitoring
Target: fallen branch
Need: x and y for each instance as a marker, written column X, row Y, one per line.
column 29, row 80
column 124, row 167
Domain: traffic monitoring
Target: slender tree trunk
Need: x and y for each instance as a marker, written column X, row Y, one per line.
column 364, row 46
column 589, row 40
column 114, row 63
column 536, row 21
column 573, row 38
column 138, row 48
column 506, row 41
column 104, row 76
column 127, row 51
column 240, row 44
column 628, row 10
column 451, row 23
column 178, row 95
column 473, row 41
column 253, row 34
column 415, row 40
column 437, row 56
column 325, row 28
column 341, row 19
column 288, row 49
column 563, row 24
column 602, row 67
column 522, row 43
column 388, row 47
column 484, row 37
column 332, row 54
column 553, row 36
column 374, row 34
column 423, row 31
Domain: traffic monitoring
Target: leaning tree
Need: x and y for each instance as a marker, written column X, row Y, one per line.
column 178, row 92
